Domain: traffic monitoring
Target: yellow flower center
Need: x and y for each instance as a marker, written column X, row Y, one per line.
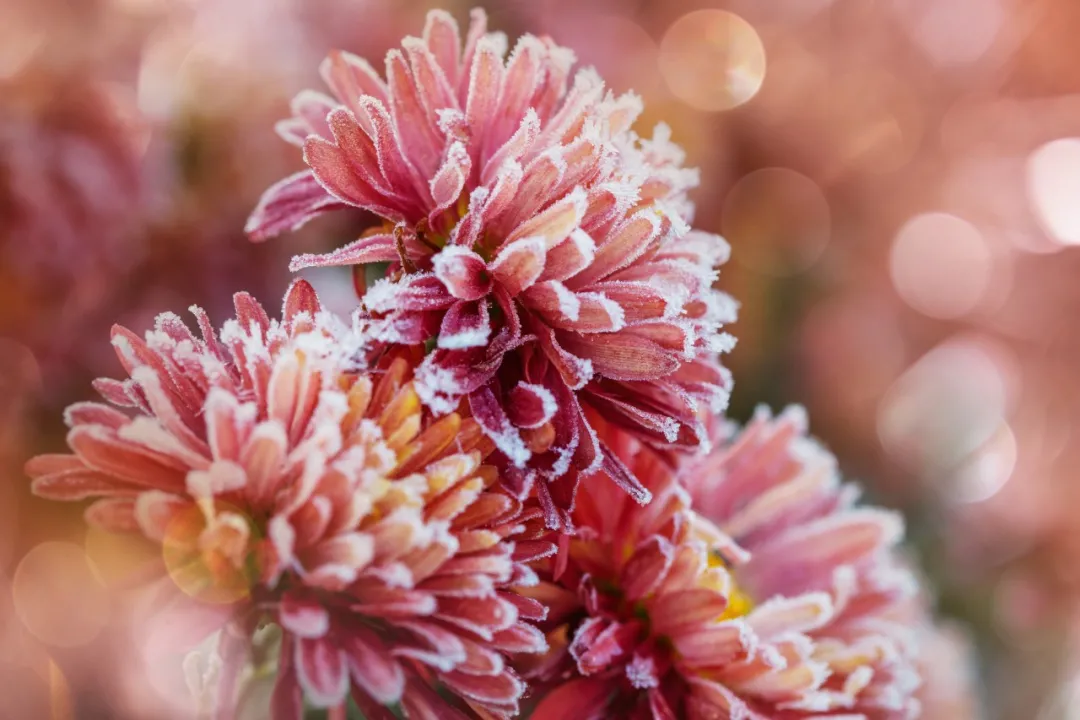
column 739, row 602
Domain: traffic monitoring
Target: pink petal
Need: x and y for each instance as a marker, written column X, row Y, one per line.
column 570, row 256
column 556, row 223
column 514, row 148
column 370, row 249
column 79, row 485
column 523, row 73
column 287, row 700
column 420, row 138
column 625, row 245
column 312, row 107
column 647, row 567
column 482, row 616
column 622, row 477
column 465, row 325
column 449, row 181
column 90, row 413
column 102, row 450
column 372, row 667
column 303, row 617
column 674, row 613
column 554, row 302
column 463, row 272
column 530, row 405
column 598, row 644
column 116, row 515
column 320, row 667
column 485, row 82
column 639, row 300
column 714, row 645
column 155, row 510
column 583, row 698
column 443, row 38
column 520, row 638
column 350, row 77
column 333, row 170
column 502, row 689
column 596, row 314
column 574, row 370
column 489, row 413
column 432, row 83
column 800, row 614
column 622, row 356
column 287, row 205
column 519, row 264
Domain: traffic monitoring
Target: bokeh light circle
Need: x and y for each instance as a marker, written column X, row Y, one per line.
column 956, row 32
column 57, row 595
column 941, row 265
column 712, row 60
column 1053, row 183
column 777, row 221
column 986, row 470
column 948, row 405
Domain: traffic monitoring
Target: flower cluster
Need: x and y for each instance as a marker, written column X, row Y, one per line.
column 504, row 484
column 535, row 241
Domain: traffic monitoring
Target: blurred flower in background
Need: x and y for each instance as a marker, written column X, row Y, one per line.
column 899, row 181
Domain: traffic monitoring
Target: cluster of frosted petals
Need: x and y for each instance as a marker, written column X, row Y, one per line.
column 779, row 494
column 536, row 243
column 285, row 484
column 658, row 612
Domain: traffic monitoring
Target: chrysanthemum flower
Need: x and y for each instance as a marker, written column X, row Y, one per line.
column 538, row 245
column 286, row 485
column 783, row 601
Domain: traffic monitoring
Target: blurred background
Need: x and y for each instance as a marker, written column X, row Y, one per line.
column 899, row 180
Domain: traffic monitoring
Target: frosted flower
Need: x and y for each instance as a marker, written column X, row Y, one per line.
column 785, row 607
column 537, row 244
column 780, row 496
column 287, row 486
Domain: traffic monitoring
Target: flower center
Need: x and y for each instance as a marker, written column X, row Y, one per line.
column 739, row 602
column 211, row 558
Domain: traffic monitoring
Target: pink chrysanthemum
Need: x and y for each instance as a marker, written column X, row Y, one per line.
column 286, row 485
column 783, row 601
column 537, row 243
column 779, row 494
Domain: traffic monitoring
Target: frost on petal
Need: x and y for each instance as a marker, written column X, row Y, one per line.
column 569, row 257
column 464, row 273
column 622, row 356
column 465, row 325
column 556, row 223
column 485, row 81
column 370, row 249
column 287, row 205
column 489, row 413
column 350, row 77
column 443, row 38
column 624, row 246
column 515, row 147
column 312, row 107
column 554, row 302
column 519, row 264
column 449, row 182
column 531, row 405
